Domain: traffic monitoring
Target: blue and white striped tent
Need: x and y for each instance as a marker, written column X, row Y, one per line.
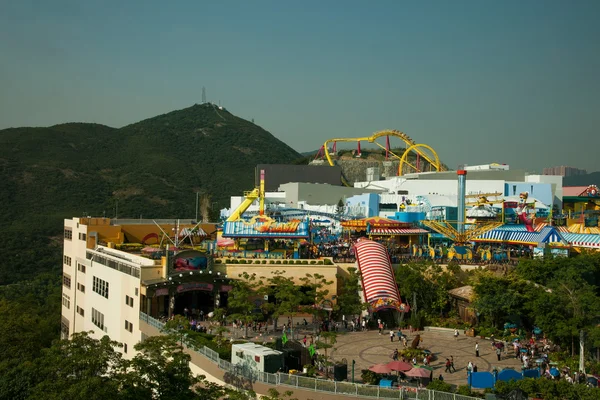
column 241, row 229
column 548, row 234
column 591, row 241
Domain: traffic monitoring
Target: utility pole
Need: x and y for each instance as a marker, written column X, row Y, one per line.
column 197, row 194
column 581, row 352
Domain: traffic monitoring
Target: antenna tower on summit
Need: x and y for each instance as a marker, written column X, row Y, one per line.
column 203, row 94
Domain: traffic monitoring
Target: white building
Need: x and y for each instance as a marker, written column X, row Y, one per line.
column 101, row 287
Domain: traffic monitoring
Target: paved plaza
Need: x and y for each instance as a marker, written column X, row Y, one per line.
column 369, row 348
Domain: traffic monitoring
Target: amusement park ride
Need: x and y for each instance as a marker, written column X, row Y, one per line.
column 411, row 147
column 461, row 236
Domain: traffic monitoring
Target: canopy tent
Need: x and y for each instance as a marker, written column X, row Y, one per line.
column 583, row 240
column 380, row 369
column 547, row 235
column 378, row 281
column 192, row 232
column 399, row 366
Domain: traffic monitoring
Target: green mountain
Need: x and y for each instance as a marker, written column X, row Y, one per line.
column 593, row 178
column 151, row 168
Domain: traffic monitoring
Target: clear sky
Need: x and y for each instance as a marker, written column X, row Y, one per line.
column 480, row 81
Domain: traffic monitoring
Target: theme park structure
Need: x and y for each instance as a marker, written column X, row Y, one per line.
column 424, row 154
column 380, row 291
column 462, row 235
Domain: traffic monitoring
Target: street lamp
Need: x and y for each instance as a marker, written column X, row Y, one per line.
column 197, row 194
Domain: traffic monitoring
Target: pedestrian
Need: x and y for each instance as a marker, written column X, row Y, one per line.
column 395, row 355
column 404, row 341
column 380, row 325
column 476, row 349
column 304, row 340
column 441, row 378
column 364, row 324
column 448, row 366
column 469, row 367
column 452, row 363
column 391, row 336
column 474, row 367
column 456, row 334
column 498, row 353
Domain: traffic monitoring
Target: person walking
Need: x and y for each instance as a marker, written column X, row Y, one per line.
column 448, row 366
column 452, row 363
column 456, row 334
column 395, row 355
column 476, row 349
column 498, row 353
column 391, row 336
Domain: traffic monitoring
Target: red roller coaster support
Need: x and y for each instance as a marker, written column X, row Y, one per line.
column 387, row 147
column 358, row 154
column 320, row 153
column 418, row 162
column 334, row 148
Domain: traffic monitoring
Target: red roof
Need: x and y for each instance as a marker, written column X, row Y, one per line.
column 573, row 191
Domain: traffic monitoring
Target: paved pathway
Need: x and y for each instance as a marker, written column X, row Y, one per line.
column 369, row 348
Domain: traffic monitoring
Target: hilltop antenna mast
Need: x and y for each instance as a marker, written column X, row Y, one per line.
column 203, row 95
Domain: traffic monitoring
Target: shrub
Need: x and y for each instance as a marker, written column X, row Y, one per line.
column 285, row 261
column 271, row 262
column 228, row 261
column 242, row 261
column 299, row 262
column 327, row 261
column 305, row 262
column 464, row 390
column 439, row 385
column 263, row 262
column 218, row 261
column 369, row 377
column 320, row 262
column 256, row 261
column 278, row 262
column 313, row 262
column 234, row 261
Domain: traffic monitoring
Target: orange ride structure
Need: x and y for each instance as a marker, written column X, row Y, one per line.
column 420, row 150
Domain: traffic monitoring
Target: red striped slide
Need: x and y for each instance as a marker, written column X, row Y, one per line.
column 378, row 281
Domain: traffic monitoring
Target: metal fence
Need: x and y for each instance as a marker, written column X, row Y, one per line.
column 315, row 384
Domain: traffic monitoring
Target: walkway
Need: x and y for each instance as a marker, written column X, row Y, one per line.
column 369, row 348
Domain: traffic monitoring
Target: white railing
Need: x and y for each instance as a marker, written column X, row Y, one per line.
column 317, row 385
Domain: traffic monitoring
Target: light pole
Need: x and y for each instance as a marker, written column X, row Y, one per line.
column 197, row 194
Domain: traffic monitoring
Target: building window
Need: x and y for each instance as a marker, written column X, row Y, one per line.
column 82, row 236
column 136, row 292
column 81, row 268
column 80, row 287
column 68, row 234
column 514, row 190
column 128, row 326
column 66, row 301
column 80, row 311
column 64, row 328
column 129, row 301
column 98, row 319
column 67, row 260
column 100, row 286
column 125, row 348
column 67, row 281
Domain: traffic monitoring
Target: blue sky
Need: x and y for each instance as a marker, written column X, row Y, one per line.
column 480, row 81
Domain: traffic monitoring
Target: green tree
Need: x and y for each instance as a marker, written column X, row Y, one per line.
column 316, row 294
column 496, row 297
column 239, row 301
column 81, row 367
column 326, row 341
column 288, row 296
column 348, row 299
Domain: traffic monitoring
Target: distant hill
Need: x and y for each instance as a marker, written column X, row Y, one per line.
column 151, row 168
column 592, row 178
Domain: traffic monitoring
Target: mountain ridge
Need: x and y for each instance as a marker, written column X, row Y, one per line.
column 152, row 167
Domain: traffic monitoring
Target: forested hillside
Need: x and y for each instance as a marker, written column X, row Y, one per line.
column 151, row 168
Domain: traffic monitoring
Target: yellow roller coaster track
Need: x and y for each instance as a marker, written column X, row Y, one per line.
column 411, row 146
